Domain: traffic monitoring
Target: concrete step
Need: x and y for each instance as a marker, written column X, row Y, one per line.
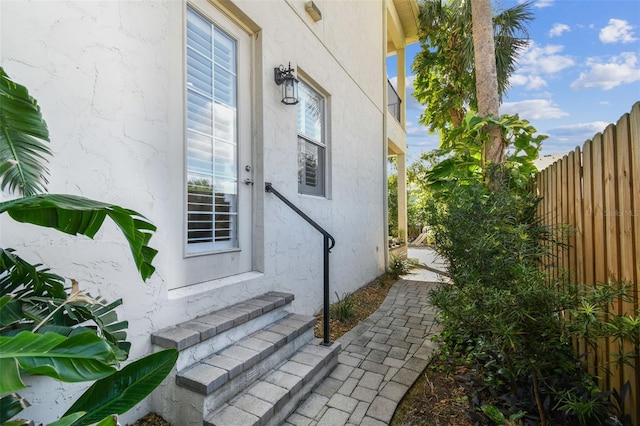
column 211, row 373
column 273, row 396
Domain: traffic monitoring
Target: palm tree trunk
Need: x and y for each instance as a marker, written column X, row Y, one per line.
column 486, row 75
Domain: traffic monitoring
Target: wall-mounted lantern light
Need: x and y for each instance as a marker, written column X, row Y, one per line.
column 287, row 79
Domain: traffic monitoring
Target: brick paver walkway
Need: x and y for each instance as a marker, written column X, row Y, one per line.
column 381, row 358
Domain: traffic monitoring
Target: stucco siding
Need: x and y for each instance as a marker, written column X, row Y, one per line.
column 109, row 78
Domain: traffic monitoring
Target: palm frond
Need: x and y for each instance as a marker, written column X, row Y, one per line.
column 23, row 137
column 22, row 279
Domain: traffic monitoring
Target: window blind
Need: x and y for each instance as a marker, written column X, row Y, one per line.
column 212, row 184
column 311, row 145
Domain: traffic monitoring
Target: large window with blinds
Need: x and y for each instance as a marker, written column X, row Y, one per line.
column 311, row 141
column 211, row 137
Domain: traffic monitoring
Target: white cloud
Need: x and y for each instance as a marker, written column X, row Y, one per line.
column 618, row 31
column 621, row 69
column 411, row 102
column 544, row 59
column 584, row 128
column 541, row 3
column 558, row 29
column 421, row 141
column 533, row 109
column 566, row 138
column 531, row 82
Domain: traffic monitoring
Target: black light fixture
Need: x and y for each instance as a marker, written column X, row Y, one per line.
column 287, row 79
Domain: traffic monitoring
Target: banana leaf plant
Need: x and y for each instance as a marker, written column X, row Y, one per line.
column 47, row 329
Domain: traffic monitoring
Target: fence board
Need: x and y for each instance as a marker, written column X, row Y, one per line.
column 556, row 190
column 626, row 240
column 563, row 220
column 589, row 250
column 634, row 158
column 577, row 273
column 596, row 193
column 611, row 215
column 548, row 220
column 599, row 244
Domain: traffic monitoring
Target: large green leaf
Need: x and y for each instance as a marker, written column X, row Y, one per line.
column 68, row 419
column 78, row 358
column 119, row 392
column 29, row 294
column 78, row 215
column 22, row 279
column 10, row 405
column 23, row 133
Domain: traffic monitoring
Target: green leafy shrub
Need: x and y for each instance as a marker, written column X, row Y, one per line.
column 513, row 323
column 400, row 265
column 344, row 309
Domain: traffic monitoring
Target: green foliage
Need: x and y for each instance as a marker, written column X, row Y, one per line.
column 33, row 298
column 515, row 324
column 10, row 405
column 344, row 309
column 460, row 158
column 492, row 412
column 75, row 215
column 78, row 358
column 400, row 265
column 120, row 391
column 22, row 139
column 444, row 68
column 45, row 329
column 392, row 201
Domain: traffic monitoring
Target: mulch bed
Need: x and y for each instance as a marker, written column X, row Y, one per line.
column 437, row 398
column 366, row 301
column 151, row 419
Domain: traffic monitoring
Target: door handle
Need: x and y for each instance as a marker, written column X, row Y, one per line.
column 248, row 181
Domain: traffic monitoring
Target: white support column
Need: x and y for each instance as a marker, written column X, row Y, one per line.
column 402, row 85
column 402, row 158
column 402, row 196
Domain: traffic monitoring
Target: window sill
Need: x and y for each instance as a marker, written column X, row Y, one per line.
column 195, row 289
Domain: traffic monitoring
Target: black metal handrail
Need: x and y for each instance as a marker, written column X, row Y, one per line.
column 393, row 101
column 329, row 243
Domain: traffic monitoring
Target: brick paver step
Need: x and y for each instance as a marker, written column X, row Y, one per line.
column 190, row 333
column 279, row 391
column 211, row 373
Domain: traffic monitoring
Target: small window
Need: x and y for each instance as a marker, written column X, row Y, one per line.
column 311, row 141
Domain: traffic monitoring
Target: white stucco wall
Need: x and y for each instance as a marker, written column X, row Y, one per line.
column 107, row 75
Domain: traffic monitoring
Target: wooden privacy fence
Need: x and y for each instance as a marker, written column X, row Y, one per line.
column 593, row 195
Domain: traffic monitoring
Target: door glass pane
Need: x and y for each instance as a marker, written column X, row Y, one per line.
column 212, row 172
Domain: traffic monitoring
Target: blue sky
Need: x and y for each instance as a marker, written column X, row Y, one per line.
column 580, row 72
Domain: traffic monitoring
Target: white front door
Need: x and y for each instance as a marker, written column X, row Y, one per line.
column 218, row 145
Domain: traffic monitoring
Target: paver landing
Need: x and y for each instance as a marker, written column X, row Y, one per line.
column 381, row 358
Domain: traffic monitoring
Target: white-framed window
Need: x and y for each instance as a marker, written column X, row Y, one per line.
column 211, row 137
column 312, row 146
